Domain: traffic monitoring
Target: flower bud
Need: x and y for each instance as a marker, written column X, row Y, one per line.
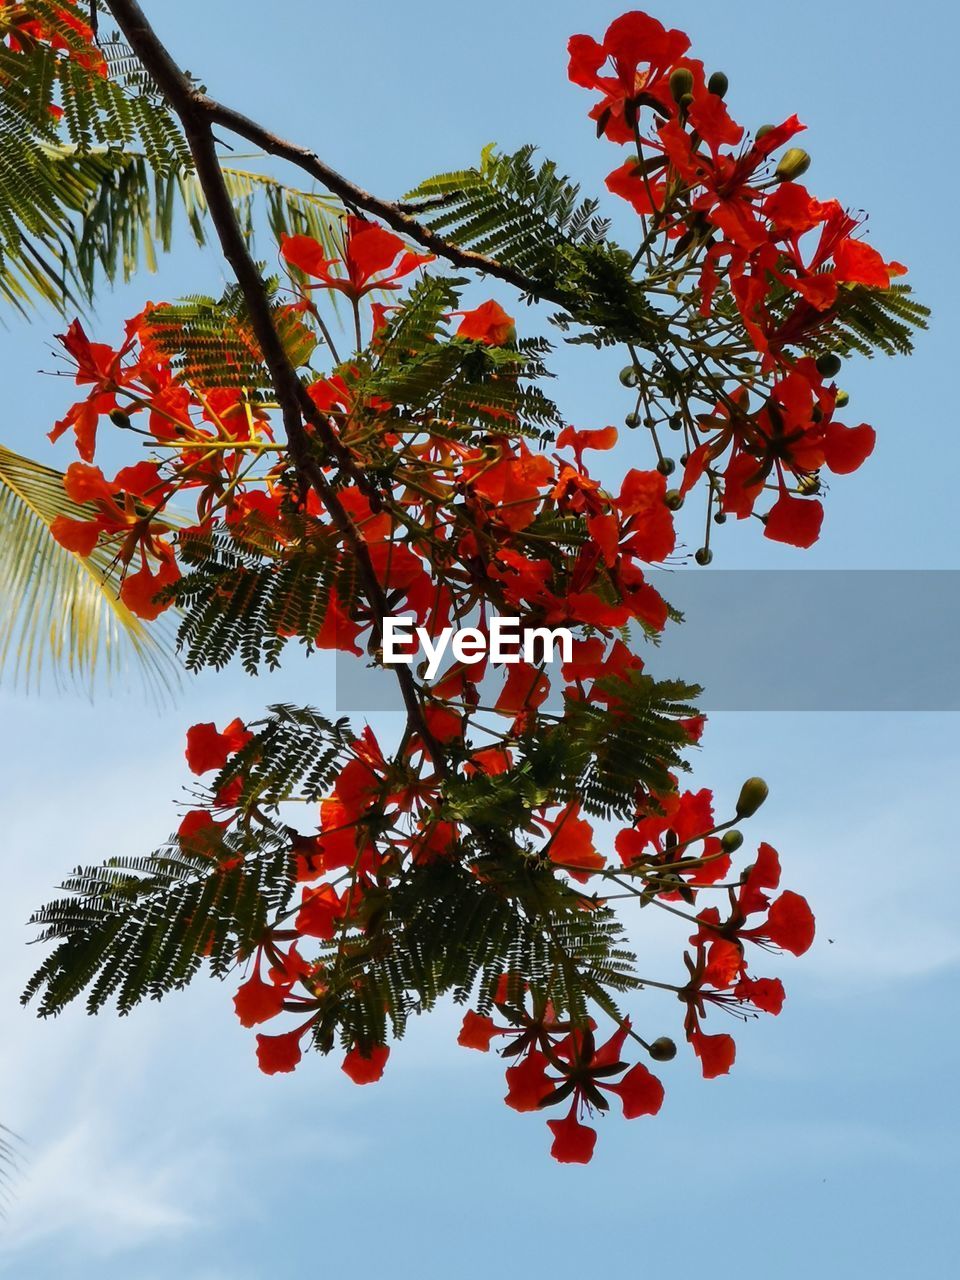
column 731, row 841
column 666, row 466
column 763, row 131
column 752, row 795
column 793, row 163
column 703, row 556
column 663, row 1049
column 119, row 418
column 676, row 421
column 674, row 499
column 829, row 365
column 632, row 420
column 720, row 518
column 629, row 376
column 718, row 84
column 681, row 83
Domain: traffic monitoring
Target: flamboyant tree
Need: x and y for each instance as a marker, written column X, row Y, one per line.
column 307, row 479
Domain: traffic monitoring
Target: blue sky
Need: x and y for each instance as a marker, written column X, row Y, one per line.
column 154, row 1145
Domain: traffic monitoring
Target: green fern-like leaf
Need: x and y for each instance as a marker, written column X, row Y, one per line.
column 248, row 599
column 139, row 928
column 532, row 221
column 210, row 342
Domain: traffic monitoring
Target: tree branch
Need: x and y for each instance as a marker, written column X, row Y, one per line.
column 295, row 404
column 390, row 213
column 170, row 79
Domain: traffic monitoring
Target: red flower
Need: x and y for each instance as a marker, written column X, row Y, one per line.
column 648, row 528
column 477, row 1031
column 200, row 834
column 99, row 367
column 847, row 448
column 724, row 963
column 78, row 536
column 488, row 323
column 571, row 844
column 366, row 1068
column 796, row 521
column 140, row 590
column 642, row 53
column 208, row 749
column 278, row 1054
column 117, row 514
column 790, row 924
column 640, row 1092
column 320, row 911
column 764, row 874
column 716, row 1053
column 765, row 994
column 258, row 1001
column 525, row 689
column 579, row 441
column 630, row 183
column 573, row 1142
column 856, row 262
column 369, row 252
column 528, row 1083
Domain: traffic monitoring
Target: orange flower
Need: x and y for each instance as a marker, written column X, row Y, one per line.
column 488, row 323
column 208, row 749
column 366, row 1068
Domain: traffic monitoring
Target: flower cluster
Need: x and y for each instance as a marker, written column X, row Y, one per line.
column 63, row 30
column 383, row 817
column 718, row 209
column 427, row 474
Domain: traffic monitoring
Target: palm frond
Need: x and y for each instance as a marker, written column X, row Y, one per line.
column 106, row 214
column 58, row 611
column 9, row 1166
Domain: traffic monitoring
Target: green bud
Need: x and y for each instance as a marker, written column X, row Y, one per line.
column 632, row 420
column 119, row 418
column 720, row 518
column 731, row 841
column 763, row 131
column 674, row 499
column 829, row 365
column 676, row 421
column 703, row 556
column 793, row 163
column 663, row 1049
column 752, row 795
column 718, row 84
column 681, row 83
column 666, row 466
column 629, row 376
column 687, row 100
column 843, row 399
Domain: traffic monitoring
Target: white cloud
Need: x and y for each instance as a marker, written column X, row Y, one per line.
column 89, row 1190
